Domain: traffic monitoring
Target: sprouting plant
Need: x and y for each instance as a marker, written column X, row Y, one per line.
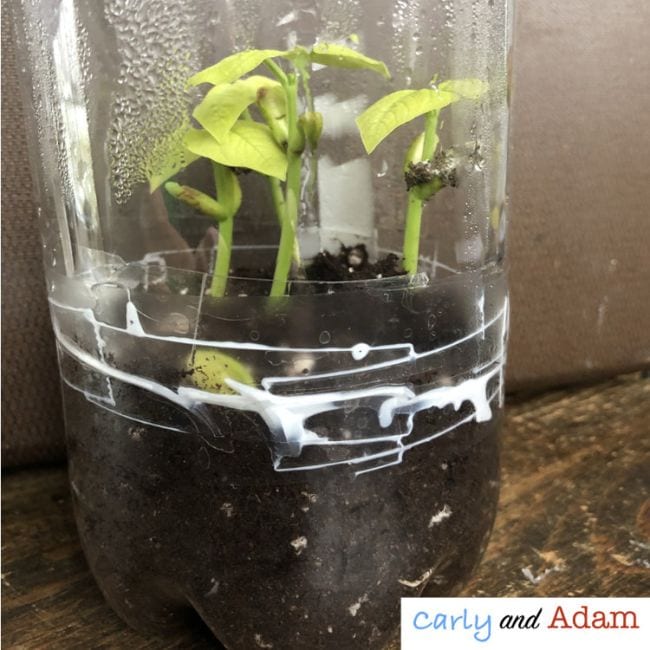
column 254, row 122
column 426, row 172
column 258, row 122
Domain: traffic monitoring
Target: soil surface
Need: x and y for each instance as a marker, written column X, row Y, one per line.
column 350, row 264
column 353, row 263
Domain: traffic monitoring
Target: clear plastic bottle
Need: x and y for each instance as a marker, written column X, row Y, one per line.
column 286, row 463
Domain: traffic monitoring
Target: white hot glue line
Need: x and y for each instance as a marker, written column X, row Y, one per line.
column 133, row 324
column 286, row 416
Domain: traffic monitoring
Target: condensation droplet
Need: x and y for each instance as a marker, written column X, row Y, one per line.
column 325, row 337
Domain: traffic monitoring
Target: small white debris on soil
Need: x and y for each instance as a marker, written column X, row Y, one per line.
column 227, row 509
column 330, row 629
column 136, row 433
column 299, row 544
column 444, row 466
column 75, row 489
column 213, row 589
column 259, row 641
column 354, row 609
column 439, row 517
column 311, row 498
column 414, row 584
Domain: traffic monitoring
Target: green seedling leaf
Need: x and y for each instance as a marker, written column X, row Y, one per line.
column 198, row 200
column 168, row 157
column 300, row 56
column 177, row 161
column 233, row 67
column 211, row 370
column 248, row 144
column 224, row 104
column 382, row 118
column 312, row 126
column 339, row 56
column 465, row 88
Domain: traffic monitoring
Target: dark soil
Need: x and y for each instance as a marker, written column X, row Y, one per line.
column 199, row 519
column 352, row 263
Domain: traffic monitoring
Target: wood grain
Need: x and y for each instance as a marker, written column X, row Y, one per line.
column 574, row 519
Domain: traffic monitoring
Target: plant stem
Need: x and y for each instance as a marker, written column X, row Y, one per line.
column 222, row 268
column 278, row 198
column 280, row 210
column 229, row 195
column 289, row 226
column 412, row 234
column 277, row 72
column 416, row 205
column 431, row 138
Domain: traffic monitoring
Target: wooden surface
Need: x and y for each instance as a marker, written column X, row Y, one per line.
column 574, row 520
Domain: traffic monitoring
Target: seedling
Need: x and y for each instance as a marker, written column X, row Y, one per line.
column 255, row 123
column 426, row 171
column 272, row 145
column 260, row 123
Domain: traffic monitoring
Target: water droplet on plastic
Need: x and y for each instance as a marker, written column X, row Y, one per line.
column 325, row 337
column 383, row 170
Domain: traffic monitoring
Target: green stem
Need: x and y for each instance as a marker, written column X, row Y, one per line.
column 295, row 148
column 416, row 205
column 280, row 206
column 277, row 72
column 430, row 136
column 229, row 195
column 412, row 234
column 278, row 198
column 224, row 251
